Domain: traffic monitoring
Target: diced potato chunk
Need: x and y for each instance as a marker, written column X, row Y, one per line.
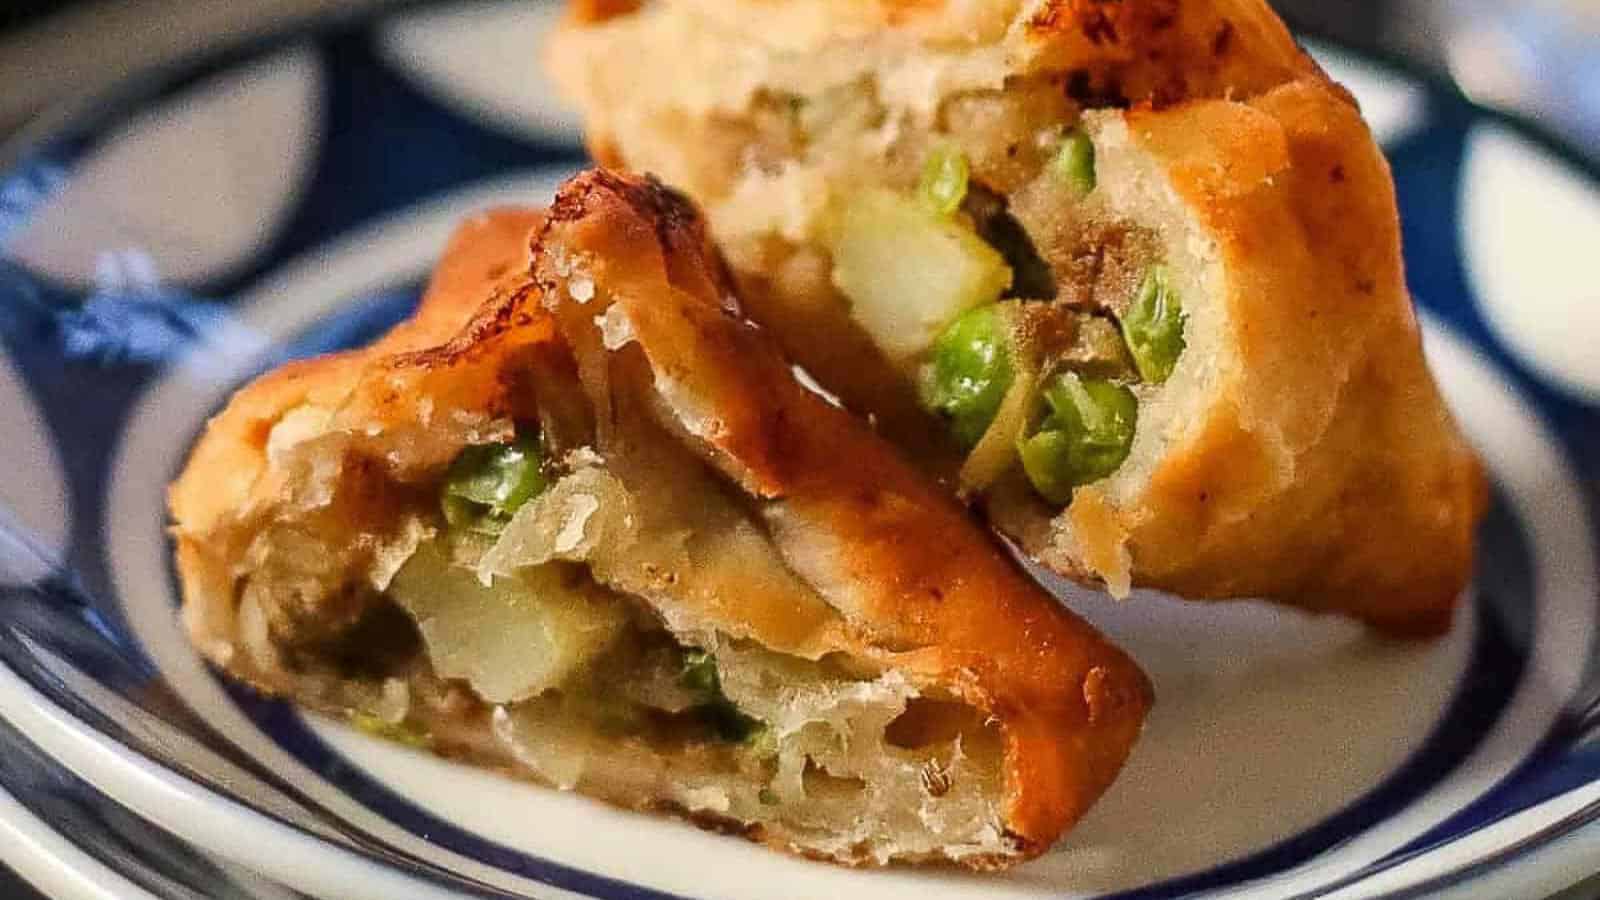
column 908, row 271
column 514, row 638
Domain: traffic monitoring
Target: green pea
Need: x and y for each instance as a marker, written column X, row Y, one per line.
column 700, row 673
column 488, row 483
column 716, row 711
column 1153, row 327
column 1085, row 437
column 399, row 732
column 1074, row 162
column 944, row 179
column 969, row 373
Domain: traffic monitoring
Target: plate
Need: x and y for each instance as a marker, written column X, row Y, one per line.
column 163, row 244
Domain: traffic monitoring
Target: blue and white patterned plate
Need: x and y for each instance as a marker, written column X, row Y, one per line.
column 288, row 198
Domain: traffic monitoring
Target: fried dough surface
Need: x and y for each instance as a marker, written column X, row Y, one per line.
column 721, row 507
column 1298, row 450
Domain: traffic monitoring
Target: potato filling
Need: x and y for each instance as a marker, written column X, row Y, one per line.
column 516, row 630
column 980, row 253
column 1088, row 308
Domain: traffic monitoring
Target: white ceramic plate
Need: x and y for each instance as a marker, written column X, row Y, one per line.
column 287, row 198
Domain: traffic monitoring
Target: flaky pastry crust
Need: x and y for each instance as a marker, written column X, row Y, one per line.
column 1300, row 451
column 625, row 295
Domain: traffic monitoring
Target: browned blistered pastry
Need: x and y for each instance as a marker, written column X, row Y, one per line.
column 578, row 519
column 1125, row 273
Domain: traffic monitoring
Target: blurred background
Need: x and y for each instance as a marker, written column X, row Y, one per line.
column 1539, row 57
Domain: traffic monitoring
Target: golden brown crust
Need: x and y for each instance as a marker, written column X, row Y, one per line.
column 227, row 482
column 1317, row 465
column 1324, row 421
column 1107, row 53
column 1159, row 52
column 483, row 252
column 915, row 585
column 923, row 582
column 225, row 467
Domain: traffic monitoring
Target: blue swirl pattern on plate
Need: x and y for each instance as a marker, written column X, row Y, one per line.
column 115, row 735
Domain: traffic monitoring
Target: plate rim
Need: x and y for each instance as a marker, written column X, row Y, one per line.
column 218, row 51
column 52, row 863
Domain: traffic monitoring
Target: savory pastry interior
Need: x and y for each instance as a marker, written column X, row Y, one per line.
column 579, row 520
column 1127, row 274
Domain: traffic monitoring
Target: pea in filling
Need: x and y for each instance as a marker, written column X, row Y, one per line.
column 488, row 483
column 516, row 630
column 949, row 282
column 514, row 638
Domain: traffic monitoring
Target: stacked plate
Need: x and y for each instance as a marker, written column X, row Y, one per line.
column 192, row 228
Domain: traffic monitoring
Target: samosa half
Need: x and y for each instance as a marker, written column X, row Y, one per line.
column 1126, row 273
column 579, row 519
